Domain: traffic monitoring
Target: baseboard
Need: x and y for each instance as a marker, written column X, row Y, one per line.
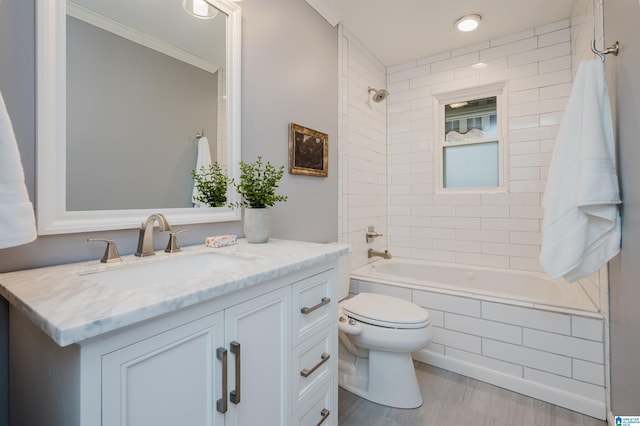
column 554, row 396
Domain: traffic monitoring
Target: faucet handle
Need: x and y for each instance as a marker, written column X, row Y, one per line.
column 372, row 234
column 111, row 253
column 172, row 245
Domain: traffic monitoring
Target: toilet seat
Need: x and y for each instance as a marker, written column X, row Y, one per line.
column 385, row 311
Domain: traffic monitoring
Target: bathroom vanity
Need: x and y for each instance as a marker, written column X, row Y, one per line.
column 246, row 336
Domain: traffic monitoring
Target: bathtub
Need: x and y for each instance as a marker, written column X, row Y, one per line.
column 509, row 286
column 518, row 330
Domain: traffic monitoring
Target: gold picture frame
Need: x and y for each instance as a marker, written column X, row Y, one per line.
column 308, row 151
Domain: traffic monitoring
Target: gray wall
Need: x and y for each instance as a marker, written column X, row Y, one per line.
column 291, row 78
column 624, row 286
column 289, row 74
column 17, row 64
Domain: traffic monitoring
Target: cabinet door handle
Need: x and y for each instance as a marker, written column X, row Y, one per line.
column 323, row 301
column 324, row 413
column 323, row 358
column 235, row 394
column 221, row 404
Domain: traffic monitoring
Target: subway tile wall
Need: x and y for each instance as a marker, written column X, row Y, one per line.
column 363, row 149
column 386, row 162
column 500, row 229
column 386, row 174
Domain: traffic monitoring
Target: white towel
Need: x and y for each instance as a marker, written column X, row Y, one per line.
column 581, row 228
column 17, row 221
column 203, row 160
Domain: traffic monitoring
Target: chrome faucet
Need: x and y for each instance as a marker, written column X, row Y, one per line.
column 145, row 240
column 383, row 254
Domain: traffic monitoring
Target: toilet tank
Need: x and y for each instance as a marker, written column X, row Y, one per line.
column 344, row 275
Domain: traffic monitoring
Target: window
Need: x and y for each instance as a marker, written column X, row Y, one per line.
column 470, row 145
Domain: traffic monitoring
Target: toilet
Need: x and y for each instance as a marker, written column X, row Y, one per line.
column 377, row 334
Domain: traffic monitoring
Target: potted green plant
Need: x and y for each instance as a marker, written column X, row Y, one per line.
column 257, row 187
column 210, row 185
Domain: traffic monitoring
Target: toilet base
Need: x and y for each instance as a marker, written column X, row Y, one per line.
column 387, row 378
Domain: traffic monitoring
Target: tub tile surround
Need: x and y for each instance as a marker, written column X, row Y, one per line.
column 70, row 308
column 489, row 229
column 500, row 229
column 486, row 229
column 555, row 357
column 363, row 160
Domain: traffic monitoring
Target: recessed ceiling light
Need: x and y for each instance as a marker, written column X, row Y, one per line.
column 468, row 23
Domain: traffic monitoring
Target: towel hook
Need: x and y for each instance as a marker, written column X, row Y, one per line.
column 200, row 134
column 614, row 48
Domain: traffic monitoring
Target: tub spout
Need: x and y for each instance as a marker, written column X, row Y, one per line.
column 383, row 254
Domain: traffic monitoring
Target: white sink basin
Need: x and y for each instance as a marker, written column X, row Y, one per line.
column 166, row 271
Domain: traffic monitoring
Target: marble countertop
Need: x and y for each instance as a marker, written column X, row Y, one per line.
column 69, row 307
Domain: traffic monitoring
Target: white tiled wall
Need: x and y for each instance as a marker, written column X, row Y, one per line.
column 502, row 229
column 363, row 147
column 537, row 348
column 386, row 173
column 582, row 32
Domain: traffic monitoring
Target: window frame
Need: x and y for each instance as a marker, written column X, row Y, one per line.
column 499, row 90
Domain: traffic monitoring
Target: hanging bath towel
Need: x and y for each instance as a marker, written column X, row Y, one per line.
column 17, row 222
column 203, row 160
column 581, row 227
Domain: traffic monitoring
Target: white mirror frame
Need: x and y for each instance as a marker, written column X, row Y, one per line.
column 52, row 215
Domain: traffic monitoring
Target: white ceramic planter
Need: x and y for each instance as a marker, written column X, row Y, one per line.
column 257, row 225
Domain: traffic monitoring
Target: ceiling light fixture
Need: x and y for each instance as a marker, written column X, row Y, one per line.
column 468, row 23
column 200, row 9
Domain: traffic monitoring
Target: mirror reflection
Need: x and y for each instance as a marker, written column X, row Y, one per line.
column 143, row 82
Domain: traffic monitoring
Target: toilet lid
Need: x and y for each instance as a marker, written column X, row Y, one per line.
column 385, row 311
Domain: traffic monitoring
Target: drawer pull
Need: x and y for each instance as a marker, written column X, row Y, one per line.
column 324, row 301
column 235, row 394
column 221, row 404
column 324, row 358
column 324, row 413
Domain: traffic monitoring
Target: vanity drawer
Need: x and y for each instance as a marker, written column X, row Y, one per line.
column 314, row 305
column 319, row 410
column 313, row 362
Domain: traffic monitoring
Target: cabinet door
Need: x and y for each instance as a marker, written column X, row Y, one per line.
column 261, row 327
column 172, row 378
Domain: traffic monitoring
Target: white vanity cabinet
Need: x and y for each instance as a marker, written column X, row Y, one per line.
column 176, row 377
column 278, row 340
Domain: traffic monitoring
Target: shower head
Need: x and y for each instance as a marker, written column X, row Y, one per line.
column 378, row 95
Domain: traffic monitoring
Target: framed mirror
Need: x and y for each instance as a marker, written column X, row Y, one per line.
column 129, row 94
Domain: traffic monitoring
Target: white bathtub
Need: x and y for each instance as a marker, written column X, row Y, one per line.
column 518, row 330
column 513, row 287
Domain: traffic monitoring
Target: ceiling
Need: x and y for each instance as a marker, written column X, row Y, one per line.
column 402, row 30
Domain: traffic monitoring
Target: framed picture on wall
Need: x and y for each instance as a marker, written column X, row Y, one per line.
column 308, row 151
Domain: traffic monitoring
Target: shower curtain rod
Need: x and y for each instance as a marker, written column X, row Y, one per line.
column 614, row 48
